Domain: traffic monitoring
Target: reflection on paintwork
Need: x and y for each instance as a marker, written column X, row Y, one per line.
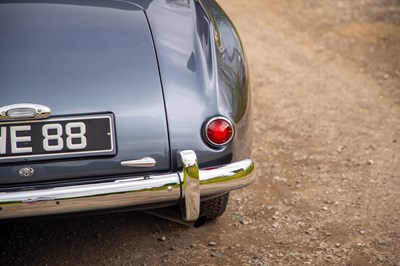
column 232, row 71
column 212, row 82
column 184, row 3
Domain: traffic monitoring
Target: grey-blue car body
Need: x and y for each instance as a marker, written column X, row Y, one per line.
column 105, row 105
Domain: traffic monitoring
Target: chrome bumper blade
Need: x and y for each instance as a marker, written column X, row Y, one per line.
column 132, row 191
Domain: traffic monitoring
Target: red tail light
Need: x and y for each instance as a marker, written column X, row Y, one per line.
column 219, row 131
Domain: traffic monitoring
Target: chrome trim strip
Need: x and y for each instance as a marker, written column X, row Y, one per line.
column 144, row 162
column 130, row 191
column 190, row 185
column 22, row 111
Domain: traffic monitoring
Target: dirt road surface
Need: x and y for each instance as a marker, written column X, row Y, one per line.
column 326, row 87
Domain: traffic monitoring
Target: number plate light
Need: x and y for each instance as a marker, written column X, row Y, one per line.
column 21, row 113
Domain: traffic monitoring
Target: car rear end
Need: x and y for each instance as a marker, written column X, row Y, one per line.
column 83, row 117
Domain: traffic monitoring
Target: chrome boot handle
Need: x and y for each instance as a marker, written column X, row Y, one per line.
column 22, row 111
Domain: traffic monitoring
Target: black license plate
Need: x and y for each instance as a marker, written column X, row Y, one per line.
column 57, row 137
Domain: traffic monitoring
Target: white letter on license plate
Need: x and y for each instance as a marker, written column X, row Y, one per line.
column 57, row 137
column 15, row 139
column 3, row 137
column 81, row 135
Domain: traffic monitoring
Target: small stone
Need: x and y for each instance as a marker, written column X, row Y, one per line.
column 362, row 232
column 340, row 148
column 370, row 162
column 324, row 208
column 337, row 245
column 275, row 225
column 212, row 244
column 279, row 179
column 244, row 222
column 163, row 238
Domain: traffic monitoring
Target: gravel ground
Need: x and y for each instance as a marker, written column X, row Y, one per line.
column 326, row 87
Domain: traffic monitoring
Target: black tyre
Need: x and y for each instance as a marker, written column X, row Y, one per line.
column 214, row 207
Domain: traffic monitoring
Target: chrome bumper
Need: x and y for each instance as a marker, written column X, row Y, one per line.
column 188, row 186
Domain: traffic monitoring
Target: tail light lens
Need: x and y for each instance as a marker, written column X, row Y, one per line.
column 219, row 131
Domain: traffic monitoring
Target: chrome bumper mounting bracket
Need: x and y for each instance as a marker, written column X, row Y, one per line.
column 190, row 186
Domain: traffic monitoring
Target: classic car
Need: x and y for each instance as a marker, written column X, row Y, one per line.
column 109, row 105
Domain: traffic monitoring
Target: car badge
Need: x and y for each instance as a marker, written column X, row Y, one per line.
column 26, row 172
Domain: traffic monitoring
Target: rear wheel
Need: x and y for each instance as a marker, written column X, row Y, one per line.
column 215, row 207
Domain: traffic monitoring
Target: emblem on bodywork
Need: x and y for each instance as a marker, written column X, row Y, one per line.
column 26, row 172
column 24, row 111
